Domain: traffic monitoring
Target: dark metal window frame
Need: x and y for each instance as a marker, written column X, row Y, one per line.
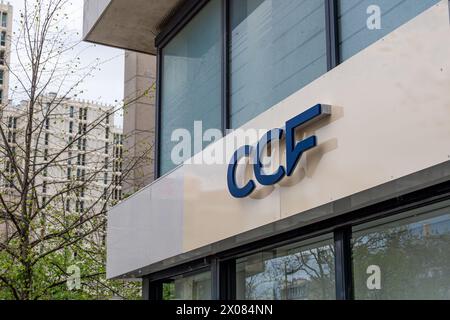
column 223, row 264
column 183, row 15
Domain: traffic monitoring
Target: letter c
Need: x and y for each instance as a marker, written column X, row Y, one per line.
column 268, row 180
column 235, row 191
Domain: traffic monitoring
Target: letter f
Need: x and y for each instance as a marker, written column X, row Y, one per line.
column 295, row 151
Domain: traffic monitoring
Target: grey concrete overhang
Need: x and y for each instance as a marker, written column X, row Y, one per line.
column 126, row 24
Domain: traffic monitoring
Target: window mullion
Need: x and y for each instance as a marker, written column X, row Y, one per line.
column 332, row 33
column 225, row 65
column 343, row 263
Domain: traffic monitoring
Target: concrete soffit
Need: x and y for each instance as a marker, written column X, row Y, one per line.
column 125, row 26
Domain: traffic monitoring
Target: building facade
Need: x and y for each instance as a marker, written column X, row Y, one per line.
column 344, row 195
column 6, row 21
column 76, row 153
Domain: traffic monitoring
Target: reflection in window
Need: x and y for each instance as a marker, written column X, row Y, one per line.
column 303, row 271
column 194, row 287
column 412, row 254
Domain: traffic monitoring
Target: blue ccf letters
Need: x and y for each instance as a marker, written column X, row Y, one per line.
column 294, row 152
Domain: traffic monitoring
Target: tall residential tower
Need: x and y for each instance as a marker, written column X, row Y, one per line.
column 6, row 14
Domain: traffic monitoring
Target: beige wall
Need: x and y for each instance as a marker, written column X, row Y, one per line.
column 390, row 118
column 139, row 119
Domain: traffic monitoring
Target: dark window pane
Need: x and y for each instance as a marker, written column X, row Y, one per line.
column 302, row 271
column 193, row 287
column 406, row 257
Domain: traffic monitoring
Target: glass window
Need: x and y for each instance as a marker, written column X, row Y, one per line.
column 302, row 271
column 353, row 17
column 277, row 48
column 193, row 287
column 2, row 72
column 191, row 80
column 4, row 19
column 405, row 257
column 3, row 39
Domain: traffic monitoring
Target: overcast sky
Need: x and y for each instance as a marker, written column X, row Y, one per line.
column 107, row 84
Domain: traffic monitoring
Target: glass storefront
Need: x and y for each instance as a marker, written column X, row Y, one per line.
column 404, row 257
column 301, row 271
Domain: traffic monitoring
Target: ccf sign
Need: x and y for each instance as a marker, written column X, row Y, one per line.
column 294, row 151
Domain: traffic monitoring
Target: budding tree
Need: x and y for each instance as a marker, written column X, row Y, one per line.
column 60, row 167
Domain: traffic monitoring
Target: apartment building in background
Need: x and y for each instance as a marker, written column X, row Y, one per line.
column 94, row 159
column 6, row 22
column 358, row 184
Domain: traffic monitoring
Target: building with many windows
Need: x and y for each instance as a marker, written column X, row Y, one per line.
column 74, row 150
column 6, row 14
column 344, row 195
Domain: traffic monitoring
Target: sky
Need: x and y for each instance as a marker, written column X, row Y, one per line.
column 106, row 85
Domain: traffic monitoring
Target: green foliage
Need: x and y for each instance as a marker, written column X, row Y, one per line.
column 168, row 291
column 50, row 277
